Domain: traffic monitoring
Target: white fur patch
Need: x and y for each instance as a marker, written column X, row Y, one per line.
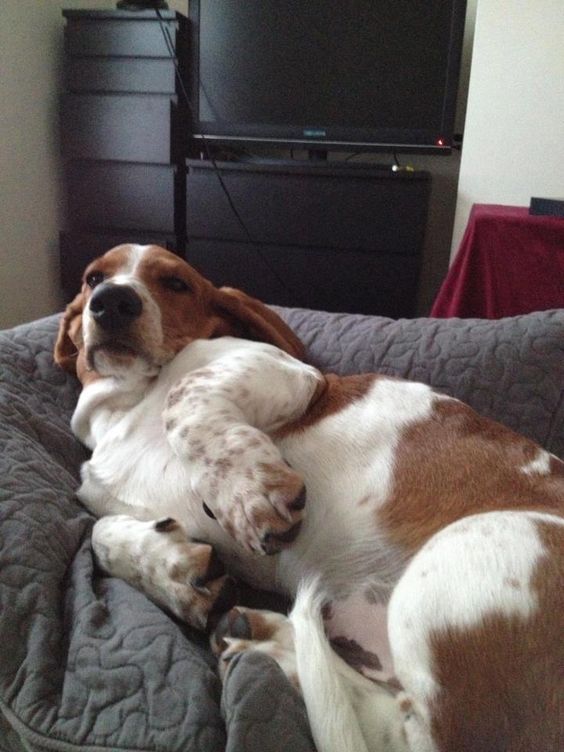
column 136, row 256
column 479, row 566
column 539, row 466
column 339, row 531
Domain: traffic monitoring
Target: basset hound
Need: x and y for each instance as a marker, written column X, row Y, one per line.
column 424, row 541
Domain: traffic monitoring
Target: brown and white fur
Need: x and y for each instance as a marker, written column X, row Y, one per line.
column 448, row 524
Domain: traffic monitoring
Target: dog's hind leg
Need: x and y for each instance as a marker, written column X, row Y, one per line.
column 246, row 629
column 347, row 712
column 475, row 627
column 364, row 716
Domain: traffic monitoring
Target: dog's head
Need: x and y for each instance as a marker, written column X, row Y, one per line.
column 140, row 305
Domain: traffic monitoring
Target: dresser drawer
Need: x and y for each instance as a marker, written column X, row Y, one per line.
column 322, row 279
column 147, row 75
column 312, row 207
column 126, row 34
column 124, row 196
column 127, row 127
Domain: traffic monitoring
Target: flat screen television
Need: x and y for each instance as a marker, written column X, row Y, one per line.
column 327, row 74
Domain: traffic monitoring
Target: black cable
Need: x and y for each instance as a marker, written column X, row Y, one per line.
column 209, row 155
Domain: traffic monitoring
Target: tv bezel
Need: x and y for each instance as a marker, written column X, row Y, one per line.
column 341, row 138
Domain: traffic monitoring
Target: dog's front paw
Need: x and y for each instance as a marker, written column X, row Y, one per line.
column 182, row 576
column 260, row 505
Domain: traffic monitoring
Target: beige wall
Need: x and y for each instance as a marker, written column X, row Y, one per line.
column 30, row 194
column 444, row 173
column 29, row 189
column 514, row 136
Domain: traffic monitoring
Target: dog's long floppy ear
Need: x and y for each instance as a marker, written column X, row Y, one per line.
column 257, row 321
column 69, row 339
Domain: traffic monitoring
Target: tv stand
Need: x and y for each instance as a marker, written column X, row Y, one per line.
column 339, row 236
column 124, row 135
column 317, row 155
column 336, row 236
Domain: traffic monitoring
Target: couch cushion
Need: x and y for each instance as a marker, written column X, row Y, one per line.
column 89, row 663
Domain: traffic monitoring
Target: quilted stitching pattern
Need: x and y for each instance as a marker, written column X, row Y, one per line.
column 256, row 694
column 87, row 661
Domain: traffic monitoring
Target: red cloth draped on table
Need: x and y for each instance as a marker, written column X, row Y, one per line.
column 509, row 262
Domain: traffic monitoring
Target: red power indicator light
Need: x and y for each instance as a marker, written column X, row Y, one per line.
column 440, row 142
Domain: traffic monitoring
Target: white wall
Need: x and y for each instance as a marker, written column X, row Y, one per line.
column 31, row 33
column 514, row 136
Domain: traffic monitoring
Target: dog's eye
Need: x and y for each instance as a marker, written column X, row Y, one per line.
column 174, row 283
column 94, row 278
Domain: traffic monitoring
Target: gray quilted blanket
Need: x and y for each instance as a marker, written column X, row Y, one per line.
column 88, row 663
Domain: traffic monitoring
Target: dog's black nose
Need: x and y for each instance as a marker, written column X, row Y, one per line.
column 114, row 307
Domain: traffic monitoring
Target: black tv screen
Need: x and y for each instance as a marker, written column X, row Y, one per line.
column 348, row 74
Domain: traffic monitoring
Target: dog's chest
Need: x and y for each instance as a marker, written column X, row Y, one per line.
column 134, row 470
column 135, row 462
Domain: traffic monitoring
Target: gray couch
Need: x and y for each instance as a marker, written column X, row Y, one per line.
column 88, row 663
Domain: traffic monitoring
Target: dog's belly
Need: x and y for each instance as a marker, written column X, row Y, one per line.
column 358, row 630
column 348, row 464
column 348, row 470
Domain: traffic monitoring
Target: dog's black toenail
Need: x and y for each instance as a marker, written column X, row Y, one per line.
column 165, row 525
column 208, row 511
column 272, row 543
column 220, row 616
column 215, row 569
column 268, row 544
column 300, row 501
column 200, row 587
column 218, row 623
column 241, row 628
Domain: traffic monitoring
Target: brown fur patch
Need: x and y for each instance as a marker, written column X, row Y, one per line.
column 332, row 395
column 205, row 312
column 406, row 706
column 281, row 479
column 174, row 396
column 556, row 467
column 458, row 463
column 502, row 681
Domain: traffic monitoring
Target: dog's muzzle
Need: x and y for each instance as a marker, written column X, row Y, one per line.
column 115, row 307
